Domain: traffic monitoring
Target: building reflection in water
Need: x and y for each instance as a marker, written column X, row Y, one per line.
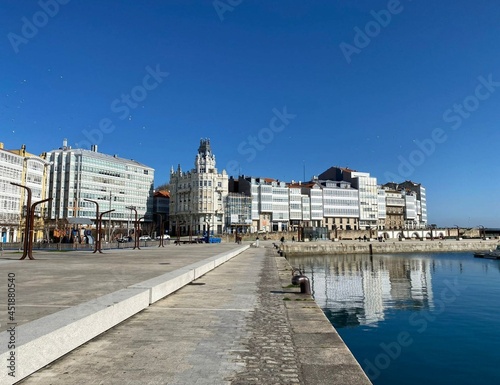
column 360, row 289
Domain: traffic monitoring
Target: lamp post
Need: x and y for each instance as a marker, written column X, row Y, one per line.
column 162, row 231
column 32, row 225
column 109, row 223
column 27, row 222
column 136, row 227
column 97, row 242
column 100, row 226
column 137, row 235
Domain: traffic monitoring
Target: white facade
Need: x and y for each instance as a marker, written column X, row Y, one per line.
column 114, row 183
column 18, row 166
column 368, row 198
column 316, row 196
column 340, row 200
column 11, row 170
column 295, row 198
column 197, row 196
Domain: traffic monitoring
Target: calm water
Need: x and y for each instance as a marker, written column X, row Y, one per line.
column 414, row 318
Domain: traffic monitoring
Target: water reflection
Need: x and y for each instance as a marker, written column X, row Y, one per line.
column 359, row 289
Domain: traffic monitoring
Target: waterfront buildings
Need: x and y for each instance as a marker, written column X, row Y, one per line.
column 197, row 196
column 20, row 167
column 203, row 199
column 82, row 179
column 161, row 212
column 339, row 199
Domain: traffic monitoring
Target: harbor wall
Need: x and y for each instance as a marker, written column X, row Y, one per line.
column 376, row 247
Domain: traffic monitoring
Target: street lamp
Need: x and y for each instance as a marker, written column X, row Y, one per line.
column 109, row 223
column 97, row 242
column 162, row 231
column 136, row 227
column 27, row 222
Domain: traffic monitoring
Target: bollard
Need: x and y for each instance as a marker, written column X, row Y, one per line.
column 302, row 280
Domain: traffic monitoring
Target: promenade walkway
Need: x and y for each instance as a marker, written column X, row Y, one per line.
column 237, row 324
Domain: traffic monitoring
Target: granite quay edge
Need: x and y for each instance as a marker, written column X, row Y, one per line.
column 323, row 356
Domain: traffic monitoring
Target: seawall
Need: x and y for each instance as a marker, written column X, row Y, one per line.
column 376, row 247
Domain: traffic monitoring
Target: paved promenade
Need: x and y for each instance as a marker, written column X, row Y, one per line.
column 237, row 324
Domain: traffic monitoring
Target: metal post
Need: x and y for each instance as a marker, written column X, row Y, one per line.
column 97, row 242
column 137, row 235
column 32, row 225
column 27, row 221
column 162, row 231
column 109, row 223
column 136, row 228
column 100, row 225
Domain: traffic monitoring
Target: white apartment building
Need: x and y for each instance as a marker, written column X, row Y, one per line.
column 340, row 205
column 367, row 190
column 421, row 208
column 382, row 208
column 410, row 210
column 114, row 183
column 21, row 167
column 197, row 196
column 295, row 198
column 410, row 196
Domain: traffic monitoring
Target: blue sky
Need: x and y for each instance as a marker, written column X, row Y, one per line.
column 399, row 89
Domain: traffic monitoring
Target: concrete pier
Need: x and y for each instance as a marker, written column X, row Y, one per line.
column 114, row 318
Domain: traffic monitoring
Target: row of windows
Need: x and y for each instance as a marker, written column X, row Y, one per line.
column 10, row 173
column 10, row 204
column 332, row 212
column 7, row 157
column 341, row 193
column 340, row 202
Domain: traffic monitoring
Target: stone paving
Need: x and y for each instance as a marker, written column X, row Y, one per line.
column 270, row 357
column 239, row 324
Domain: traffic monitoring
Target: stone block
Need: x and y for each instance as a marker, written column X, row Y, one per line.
column 44, row 340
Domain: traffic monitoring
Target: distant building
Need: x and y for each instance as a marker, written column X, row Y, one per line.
column 238, row 213
column 26, row 169
column 367, row 190
column 270, row 202
column 114, row 183
column 161, row 211
column 197, row 196
column 409, row 210
column 340, row 205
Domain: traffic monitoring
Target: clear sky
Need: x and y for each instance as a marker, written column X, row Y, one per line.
column 400, row 89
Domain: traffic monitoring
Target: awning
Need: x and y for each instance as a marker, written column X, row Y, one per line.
column 79, row 221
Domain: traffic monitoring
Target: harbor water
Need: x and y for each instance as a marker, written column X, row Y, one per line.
column 413, row 318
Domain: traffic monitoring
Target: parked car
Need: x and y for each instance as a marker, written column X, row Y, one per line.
column 144, row 238
column 166, row 236
column 125, row 239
